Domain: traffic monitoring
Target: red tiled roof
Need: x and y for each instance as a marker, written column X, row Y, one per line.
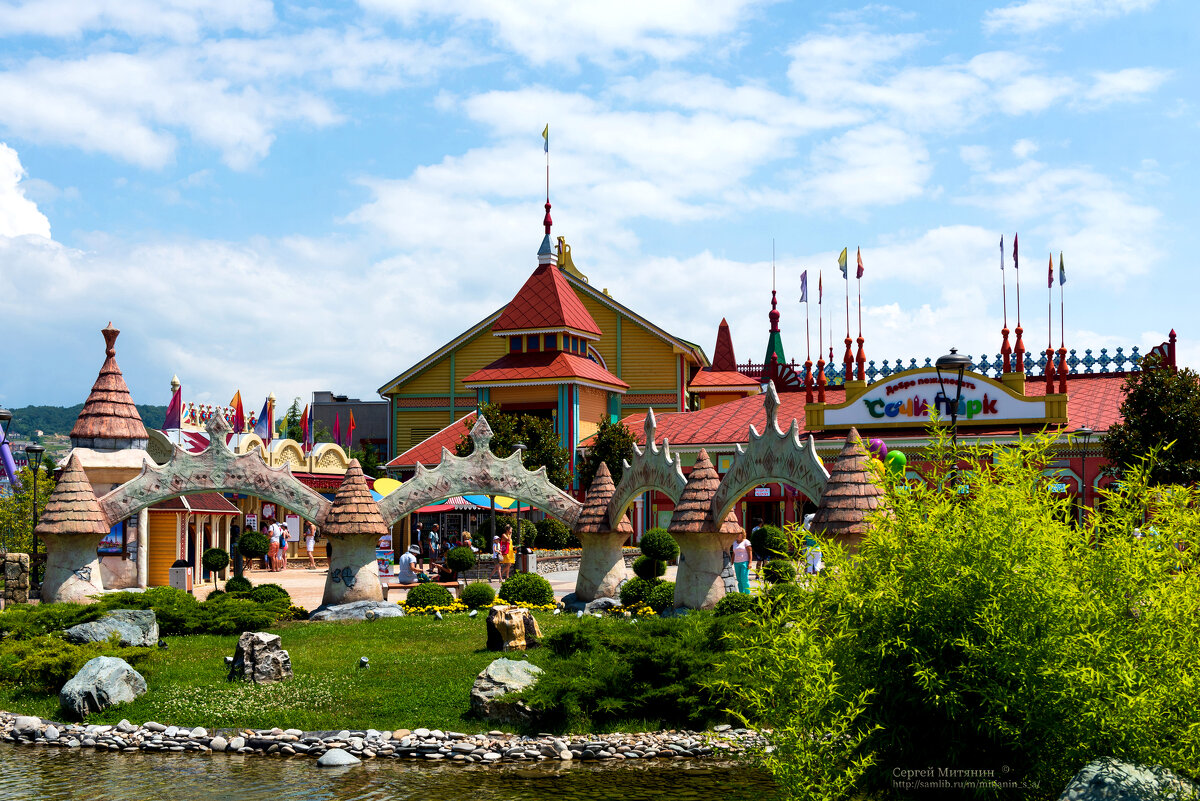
column 547, row 367
column 109, row 413
column 723, row 360
column 714, row 378
column 429, row 452
column 201, row 502
column 546, row 300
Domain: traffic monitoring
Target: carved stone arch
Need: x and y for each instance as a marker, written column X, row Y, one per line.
column 288, row 452
column 247, row 442
column 216, row 469
column 329, row 457
column 771, row 456
column 483, row 473
column 652, row 468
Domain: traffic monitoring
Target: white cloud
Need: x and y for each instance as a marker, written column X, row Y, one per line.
column 872, row 165
column 174, row 19
column 1125, row 85
column 1024, row 148
column 19, row 216
column 1034, row 15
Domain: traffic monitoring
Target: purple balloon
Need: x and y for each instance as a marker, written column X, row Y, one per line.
column 879, row 448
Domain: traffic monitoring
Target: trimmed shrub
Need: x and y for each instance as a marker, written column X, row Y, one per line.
column 254, row 545
column 229, row 614
column 662, row 596
column 636, row 592
column 428, row 595
column 238, row 584
column 266, row 593
column 460, row 559
column 736, row 603
column 44, row 663
column 215, row 560
column 555, row 535
column 769, row 542
column 24, row 621
column 647, row 568
column 527, row 588
column 657, row 543
column 779, row 571
column 478, row 595
column 529, row 533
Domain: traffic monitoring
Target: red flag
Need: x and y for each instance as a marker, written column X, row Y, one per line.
column 350, row 431
column 860, row 267
column 337, row 428
column 175, row 411
column 304, row 425
column 1016, row 265
column 1050, row 274
column 239, row 416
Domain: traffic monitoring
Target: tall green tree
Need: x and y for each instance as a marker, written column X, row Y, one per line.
column 1161, row 411
column 291, row 422
column 542, row 447
column 16, row 509
column 613, row 445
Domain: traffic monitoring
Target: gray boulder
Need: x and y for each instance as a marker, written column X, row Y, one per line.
column 1110, row 780
column 501, row 677
column 136, row 627
column 337, row 758
column 356, row 611
column 102, row 682
column 260, row 658
column 571, row 603
column 601, row 605
column 27, row 725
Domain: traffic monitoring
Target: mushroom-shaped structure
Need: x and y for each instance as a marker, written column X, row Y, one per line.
column 355, row 524
column 72, row 526
column 109, row 421
column 851, row 494
column 602, row 564
column 703, row 543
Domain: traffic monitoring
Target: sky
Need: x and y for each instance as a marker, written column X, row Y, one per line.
column 289, row 197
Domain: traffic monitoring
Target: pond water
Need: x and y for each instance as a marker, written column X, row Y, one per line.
column 50, row 774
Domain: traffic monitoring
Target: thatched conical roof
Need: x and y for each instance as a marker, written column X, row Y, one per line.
column 594, row 517
column 354, row 512
column 693, row 511
column 850, row 494
column 109, row 420
column 73, row 508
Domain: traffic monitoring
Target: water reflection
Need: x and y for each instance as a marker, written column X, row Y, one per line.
column 51, row 774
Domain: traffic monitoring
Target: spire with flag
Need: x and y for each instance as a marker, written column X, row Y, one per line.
column 174, row 417
column 350, row 431
column 1005, row 347
column 860, row 358
column 263, row 427
column 239, row 415
column 1019, row 347
column 848, row 358
column 337, row 428
column 304, row 427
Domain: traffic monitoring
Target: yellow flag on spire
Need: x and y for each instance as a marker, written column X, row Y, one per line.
column 546, row 136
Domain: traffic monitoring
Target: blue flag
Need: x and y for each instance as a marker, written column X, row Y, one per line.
column 804, row 287
column 1062, row 271
column 262, row 426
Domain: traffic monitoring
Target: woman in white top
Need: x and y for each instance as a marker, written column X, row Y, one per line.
column 310, row 542
column 742, row 554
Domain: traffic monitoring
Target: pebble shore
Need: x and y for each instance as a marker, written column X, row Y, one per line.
column 430, row 745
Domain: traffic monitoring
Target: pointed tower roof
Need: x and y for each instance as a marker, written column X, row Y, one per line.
column 109, row 421
column 850, row 494
column 546, row 302
column 73, row 508
column 594, row 517
column 723, row 360
column 354, row 512
column 693, row 512
column 774, row 338
column 722, row 375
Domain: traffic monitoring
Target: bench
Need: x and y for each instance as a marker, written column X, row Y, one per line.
column 454, row 587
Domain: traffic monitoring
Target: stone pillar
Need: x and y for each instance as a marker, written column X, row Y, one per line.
column 16, row 579
column 601, row 565
column 699, row 582
column 143, row 554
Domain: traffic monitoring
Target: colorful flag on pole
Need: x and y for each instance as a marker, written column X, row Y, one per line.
column 350, row 431
column 842, row 264
column 1016, row 264
column 239, row 416
column 304, row 425
column 820, row 287
column 263, row 427
column 546, row 136
column 1050, row 273
column 337, row 428
column 1062, row 271
column 804, row 287
column 175, row 411
column 1001, row 252
column 860, row 267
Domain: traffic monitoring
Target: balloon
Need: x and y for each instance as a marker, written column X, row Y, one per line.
column 896, row 463
column 879, row 448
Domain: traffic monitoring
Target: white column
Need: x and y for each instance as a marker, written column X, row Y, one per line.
column 143, row 554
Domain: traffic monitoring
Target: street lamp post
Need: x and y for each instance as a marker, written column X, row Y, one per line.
column 1085, row 434
column 952, row 365
column 34, row 452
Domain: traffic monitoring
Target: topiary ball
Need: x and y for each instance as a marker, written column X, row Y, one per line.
column 428, row 595
column 735, row 603
column 635, row 592
column 657, row 543
column 555, row 535
column 460, row 559
column 238, row 584
column 649, row 569
column 779, row 571
column 662, row 596
column 769, row 542
column 266, row 593
column 527, row 588
column 478, row 595
column 215, row 560
column 253, row 545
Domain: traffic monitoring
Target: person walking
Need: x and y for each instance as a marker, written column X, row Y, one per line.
column 272, row 556
column 283, row 546
column 508, row 555
column 418, row 539
column 435, row 542
column 742, row 554
column 310, row 542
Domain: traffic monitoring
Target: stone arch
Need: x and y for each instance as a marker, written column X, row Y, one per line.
column 288, row 451
column 328, row 457
column 482, row 472
column 771, row 456
column 216, row 469
column 247, row 442
column 652, row 468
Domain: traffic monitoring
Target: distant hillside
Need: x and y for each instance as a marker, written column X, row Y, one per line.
column 60, row 419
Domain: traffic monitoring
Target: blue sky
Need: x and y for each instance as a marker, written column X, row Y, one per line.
column 287, row 197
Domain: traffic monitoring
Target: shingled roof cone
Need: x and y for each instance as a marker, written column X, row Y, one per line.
column 602, row 563
column 851, row 494
column 109, row 421
column 355, row 526
column 703, row 545
column 72, row 526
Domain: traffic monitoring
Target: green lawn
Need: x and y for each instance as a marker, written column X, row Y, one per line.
column 420, row 675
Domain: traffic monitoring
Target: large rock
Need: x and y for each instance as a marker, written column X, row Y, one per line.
column 601, row 605
column 501, row 677
column 102, row 682
column 136, row 627
column 356, row 611
column 260, row 658
column 1110, row 780
column 337, row 758
column 511, row 628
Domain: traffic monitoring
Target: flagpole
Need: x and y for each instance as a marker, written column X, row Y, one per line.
column 1062, row 330
column 1003, row 282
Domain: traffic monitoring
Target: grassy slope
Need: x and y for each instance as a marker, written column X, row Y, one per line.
column 421, row 674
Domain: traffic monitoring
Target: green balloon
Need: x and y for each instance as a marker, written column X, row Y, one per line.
column 897, row 463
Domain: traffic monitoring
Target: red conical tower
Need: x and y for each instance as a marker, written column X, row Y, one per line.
column 109, row 421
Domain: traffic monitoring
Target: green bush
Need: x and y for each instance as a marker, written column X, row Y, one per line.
column 266, row 593
column 527, row 588
column 555, row 535
column 254, row 545
column 647, row 568
column 789, row 594
column 44, row 663
column 460, row 559
column 657, row 543
column 24, row 621
column 529, row 533
column 735, row 603
column 428, row 595
column 179, row 612
column 228, row 614
column 238, row 584
column 635, row 592
column 215, row 560
column 662, row 596
column 478, row 595
column 779, row 571
column 769, row 542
